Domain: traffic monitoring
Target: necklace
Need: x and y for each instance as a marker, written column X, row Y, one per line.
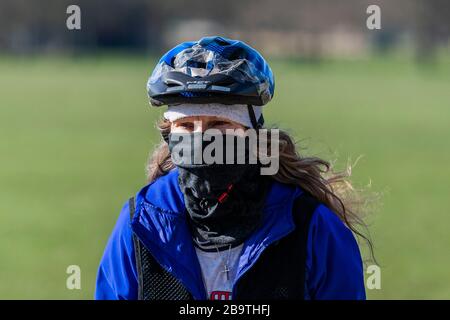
column 226, row 269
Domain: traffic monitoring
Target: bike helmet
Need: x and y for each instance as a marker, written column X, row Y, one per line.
column 211, row 70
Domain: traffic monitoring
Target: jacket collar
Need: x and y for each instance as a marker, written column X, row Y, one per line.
column 160, row 223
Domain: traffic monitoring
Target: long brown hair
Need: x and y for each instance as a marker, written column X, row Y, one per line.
column 312, row 174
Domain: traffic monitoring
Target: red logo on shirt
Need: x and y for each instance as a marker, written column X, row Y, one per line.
column 220, row 295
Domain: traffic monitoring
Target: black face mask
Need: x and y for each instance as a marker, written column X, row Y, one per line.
column 224, row 201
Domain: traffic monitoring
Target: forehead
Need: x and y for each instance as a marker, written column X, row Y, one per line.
column 203, row 119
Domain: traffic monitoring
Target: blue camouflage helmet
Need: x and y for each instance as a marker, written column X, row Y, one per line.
column 211, row 70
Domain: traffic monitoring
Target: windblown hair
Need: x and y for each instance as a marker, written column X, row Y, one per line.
column 312, row 174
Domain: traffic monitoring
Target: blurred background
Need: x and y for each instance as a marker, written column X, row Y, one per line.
column 76, row 129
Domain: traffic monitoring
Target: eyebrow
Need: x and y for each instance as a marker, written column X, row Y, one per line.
column 180, row 122
column 220, row 120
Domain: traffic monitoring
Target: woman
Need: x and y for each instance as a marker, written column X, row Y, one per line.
column 222, row 230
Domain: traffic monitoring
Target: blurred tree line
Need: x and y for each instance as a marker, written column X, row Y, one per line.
column 303, row 27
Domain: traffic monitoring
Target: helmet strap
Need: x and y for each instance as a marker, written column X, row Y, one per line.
column 257, row 124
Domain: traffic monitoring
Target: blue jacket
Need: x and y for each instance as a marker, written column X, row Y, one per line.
column 334, row 268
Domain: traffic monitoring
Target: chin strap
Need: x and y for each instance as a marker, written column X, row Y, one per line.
column 257, row 124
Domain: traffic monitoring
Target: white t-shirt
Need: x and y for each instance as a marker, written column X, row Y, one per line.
column 212, row 264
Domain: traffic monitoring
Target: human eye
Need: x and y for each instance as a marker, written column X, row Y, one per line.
column 219, row 124
column 186, row 125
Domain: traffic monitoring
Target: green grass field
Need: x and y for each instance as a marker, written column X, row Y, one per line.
column 75, row 135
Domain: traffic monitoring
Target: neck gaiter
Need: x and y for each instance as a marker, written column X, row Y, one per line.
column 223, row 200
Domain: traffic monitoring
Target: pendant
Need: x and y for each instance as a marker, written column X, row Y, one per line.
column 226, row 271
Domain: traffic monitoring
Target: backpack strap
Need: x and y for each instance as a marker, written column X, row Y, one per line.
column 137, row 249
column 302, row 211
column 154, row 283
